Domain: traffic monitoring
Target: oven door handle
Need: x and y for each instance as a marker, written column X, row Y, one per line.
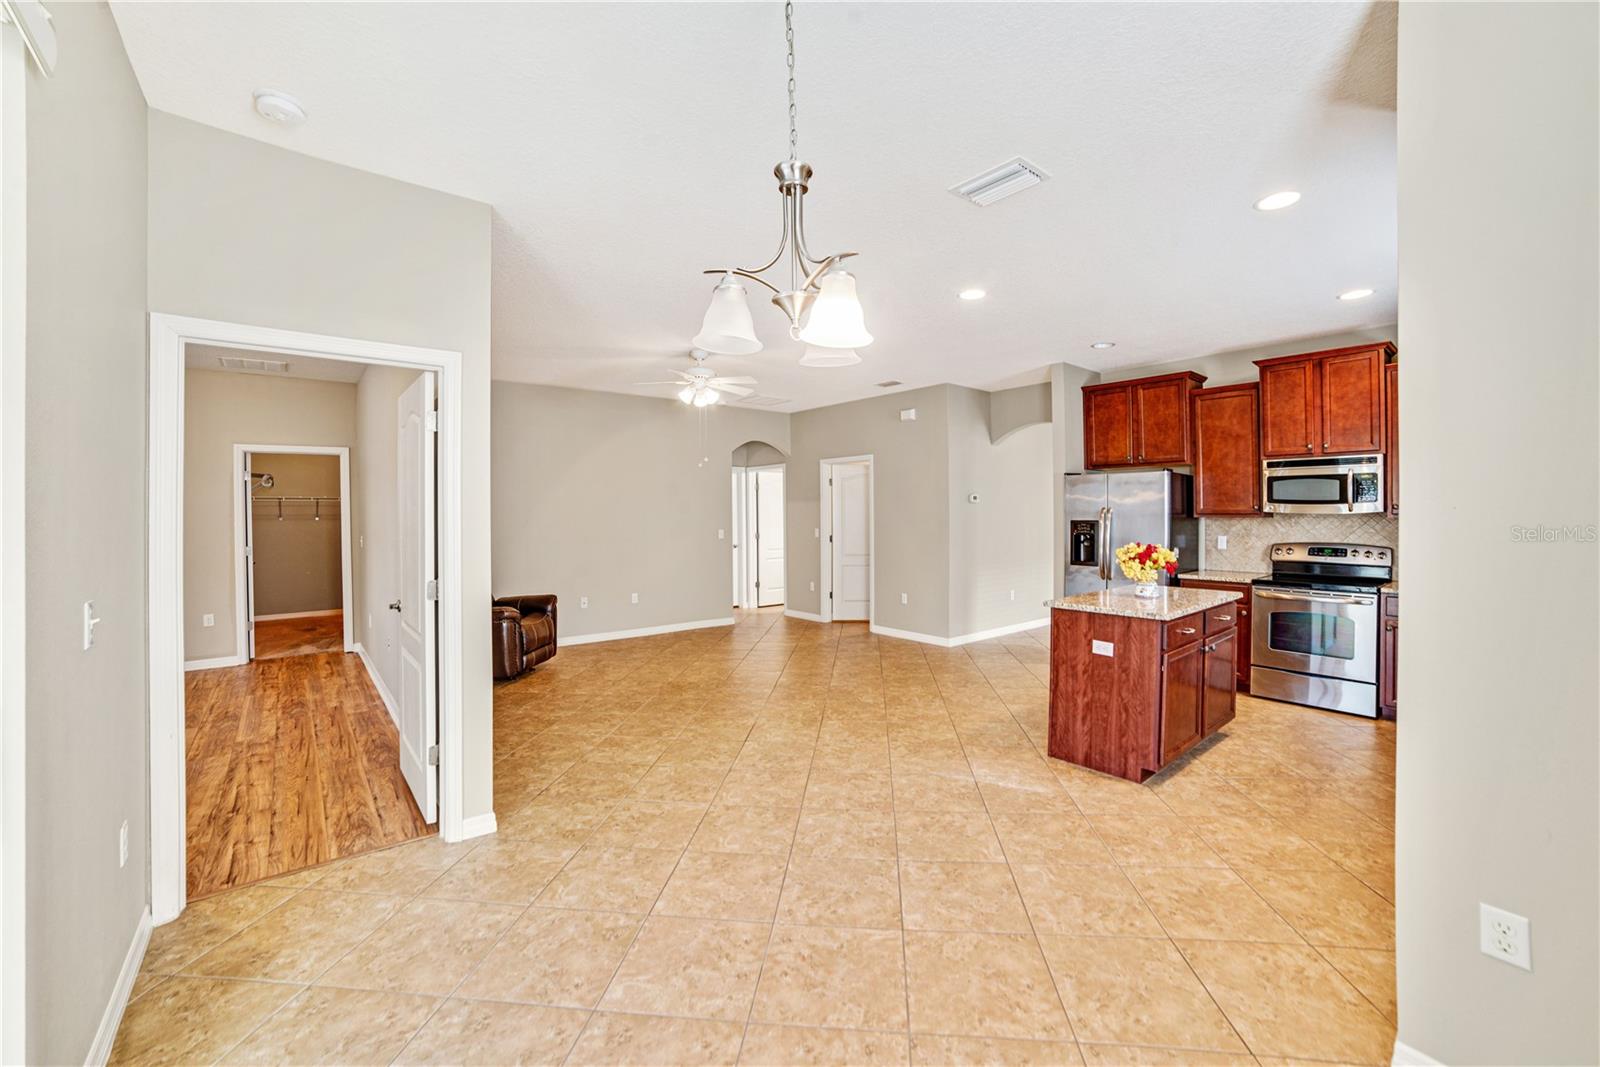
column 1322, row 598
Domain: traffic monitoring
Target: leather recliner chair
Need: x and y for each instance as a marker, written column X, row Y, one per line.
column 524, row 633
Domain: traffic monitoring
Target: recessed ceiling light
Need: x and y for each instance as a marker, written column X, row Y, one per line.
column 1278, row 201
column 280, row 108
column 1355, row 294
column 972, row 294
column 1104, row 344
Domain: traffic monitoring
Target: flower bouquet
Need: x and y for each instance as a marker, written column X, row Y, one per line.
column 1145, row 565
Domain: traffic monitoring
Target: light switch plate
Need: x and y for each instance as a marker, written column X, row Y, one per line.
column 208, row 619
column 904, row 599
column 583, row 602
column 635, row 598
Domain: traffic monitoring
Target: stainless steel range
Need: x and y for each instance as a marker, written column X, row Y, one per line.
column 1315, row 638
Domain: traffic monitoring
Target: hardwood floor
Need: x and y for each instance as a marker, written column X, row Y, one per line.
column 276, row 638
column 292, row 762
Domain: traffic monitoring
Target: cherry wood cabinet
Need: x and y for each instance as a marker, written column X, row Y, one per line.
column 1388, row 649
column 1240, row 610
column 1227, row 449
column 1140, row 422
column 1220, row 680
column 1129, row 695
column 1324, row 403
column 1183, row 683
column 1391, row 420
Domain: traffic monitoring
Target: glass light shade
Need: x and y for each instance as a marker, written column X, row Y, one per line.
column 727, row 328
column 686, row 394
column 706, row 397
column 829, row 357
column 836, row 320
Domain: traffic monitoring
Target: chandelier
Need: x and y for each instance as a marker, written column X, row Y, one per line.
column 820, row 300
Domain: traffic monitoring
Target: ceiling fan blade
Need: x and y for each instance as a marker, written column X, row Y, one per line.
column 737, row 381
column 658, row 383
column 734, row 390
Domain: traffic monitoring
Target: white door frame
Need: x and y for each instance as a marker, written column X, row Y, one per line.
column 749, row 562
column 13, row 558
column 168, row 336
column 825, row 492
column 243, row 606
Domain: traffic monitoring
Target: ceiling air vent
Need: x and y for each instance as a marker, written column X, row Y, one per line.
column 1005, row 180
column 890, row 384
column 260, row 366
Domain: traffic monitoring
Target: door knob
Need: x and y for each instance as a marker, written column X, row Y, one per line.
column 395, row 606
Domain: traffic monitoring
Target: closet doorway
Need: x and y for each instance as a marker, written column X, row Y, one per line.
column 292, row 570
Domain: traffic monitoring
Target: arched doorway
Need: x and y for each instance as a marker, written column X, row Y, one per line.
column 760, row 563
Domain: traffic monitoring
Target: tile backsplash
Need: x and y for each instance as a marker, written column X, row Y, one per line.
column 1250, row 539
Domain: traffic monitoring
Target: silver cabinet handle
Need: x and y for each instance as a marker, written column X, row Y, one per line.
column 1187, row 630
column 1224, row 618
column 395, row 606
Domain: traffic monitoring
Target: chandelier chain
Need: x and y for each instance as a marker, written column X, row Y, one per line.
column 788, row 36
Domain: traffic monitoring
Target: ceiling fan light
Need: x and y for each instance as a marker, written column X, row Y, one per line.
column 829, row 357
column 686, row 394
column 706, row 397
column 836, row 320
column 727, row 328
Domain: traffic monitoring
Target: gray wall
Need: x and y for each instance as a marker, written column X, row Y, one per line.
column 376, row 553
column 910, row 483
column 1066, row 452
column 1238, row 364
column 1000, row 547
column 604, row 495
column 1497, row 772
column 1012, row 409
column 85, row 502
column 298, row 559
column 221, row 410
column 247, row 232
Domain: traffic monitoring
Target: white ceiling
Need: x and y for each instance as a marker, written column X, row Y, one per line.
column 625, row 147
column 206, row 357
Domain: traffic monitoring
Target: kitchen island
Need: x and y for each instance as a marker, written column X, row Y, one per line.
column 1136, row 682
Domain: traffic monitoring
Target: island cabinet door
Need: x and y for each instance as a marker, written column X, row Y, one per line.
column 1182, row 690
column 1217, row 703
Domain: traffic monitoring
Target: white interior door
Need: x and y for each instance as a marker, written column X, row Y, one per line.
column 249, row 605
column 769, row 538
column 418, row 601
column 735, row 537
column 852, row 542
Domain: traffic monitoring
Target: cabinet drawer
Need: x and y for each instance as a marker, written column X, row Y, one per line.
column 1180, row 632
column 1223, row 618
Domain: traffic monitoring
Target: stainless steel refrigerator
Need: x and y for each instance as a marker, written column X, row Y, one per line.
column 1105, row 511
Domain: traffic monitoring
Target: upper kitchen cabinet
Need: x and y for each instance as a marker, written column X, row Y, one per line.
column 1227, row 450
column 1324, row 403
column 1138, row 423
column 1391, row 419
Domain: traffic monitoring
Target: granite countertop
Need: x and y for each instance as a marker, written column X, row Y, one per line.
column 1392, row 587
column 1173, row 603
column 1236, row 577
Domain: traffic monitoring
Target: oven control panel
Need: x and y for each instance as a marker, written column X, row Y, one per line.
column 1376, row 555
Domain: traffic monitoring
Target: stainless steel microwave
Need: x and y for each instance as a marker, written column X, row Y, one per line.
column 1326, row 485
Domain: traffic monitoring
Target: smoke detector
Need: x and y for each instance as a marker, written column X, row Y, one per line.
column 1008, row 179
column 280, row 108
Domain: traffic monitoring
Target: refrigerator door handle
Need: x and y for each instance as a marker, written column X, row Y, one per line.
column 1105, row 544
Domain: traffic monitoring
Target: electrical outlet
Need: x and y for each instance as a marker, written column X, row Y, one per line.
column 635, row 598
column 361, row 542
column 904, row 599
column 583, row 602
column 208, row 620
column 813, row 587
column 1013, row 594
column 721, row 534
column 369, row 622
column 1504, row 936
column 122, row 845
column 816, row 533
column 1222, row 541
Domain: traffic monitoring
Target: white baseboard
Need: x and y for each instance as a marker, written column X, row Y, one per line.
column 300, row 615
column 960, row 639
column 478, row 825
column 644, row 631
column 806, row 615
column 377, row 683
column 1406, row 1056
column 106, row 1035
column 215, row 661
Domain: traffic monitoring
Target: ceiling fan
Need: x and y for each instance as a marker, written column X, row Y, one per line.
column 700, row 386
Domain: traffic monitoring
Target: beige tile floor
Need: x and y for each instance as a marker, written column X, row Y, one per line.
column 791, row 843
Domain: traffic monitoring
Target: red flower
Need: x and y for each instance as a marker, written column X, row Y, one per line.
column 1146, row 552
column 1172, row 568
